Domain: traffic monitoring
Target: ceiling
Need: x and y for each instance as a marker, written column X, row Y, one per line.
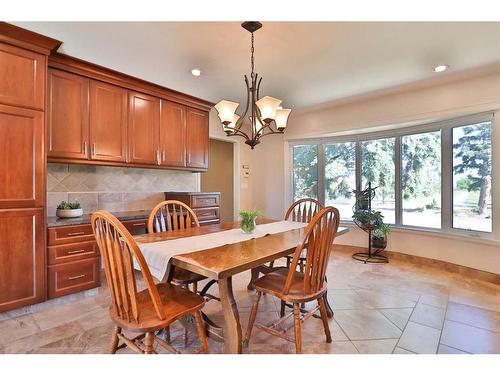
column 303, row 63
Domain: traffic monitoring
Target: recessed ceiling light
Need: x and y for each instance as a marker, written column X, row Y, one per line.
column 440, row 68
column 196, row 72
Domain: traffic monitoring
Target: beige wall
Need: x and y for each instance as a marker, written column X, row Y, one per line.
column 410, row 105
column 113, row 188
column 219, row 176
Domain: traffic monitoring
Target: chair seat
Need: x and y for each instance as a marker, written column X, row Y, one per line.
column 185, row 276
column 274, row 282
column 177, row 301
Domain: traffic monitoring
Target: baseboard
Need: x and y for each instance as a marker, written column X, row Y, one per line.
column 435, row 263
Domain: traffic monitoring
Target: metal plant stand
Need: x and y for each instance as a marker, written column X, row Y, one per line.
column 364, row 203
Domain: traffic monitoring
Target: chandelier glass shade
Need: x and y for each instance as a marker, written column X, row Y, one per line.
column 262, row 116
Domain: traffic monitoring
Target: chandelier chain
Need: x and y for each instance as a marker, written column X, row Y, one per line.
column 252, row 59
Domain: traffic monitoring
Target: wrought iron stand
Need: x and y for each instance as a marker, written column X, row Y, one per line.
column 364, row 202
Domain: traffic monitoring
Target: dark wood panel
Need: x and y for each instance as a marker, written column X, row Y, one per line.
column 173, row 134
column 68, row 115
column 22, row 258
column 143, row 129
column 22, row 77
column 71, row 252
column 22, row 166
column 73, row 277
column 136, row 226
column 108, row 122
column 207, row 200
column 197, row 138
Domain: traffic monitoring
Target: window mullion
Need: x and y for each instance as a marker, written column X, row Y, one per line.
column 446, row 179
column 358, row 165
column 397, row 182
column 321, row 173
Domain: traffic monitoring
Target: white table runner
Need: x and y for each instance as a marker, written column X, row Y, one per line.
column 158, row 254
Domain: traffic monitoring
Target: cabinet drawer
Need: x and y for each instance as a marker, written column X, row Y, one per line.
column 72, row 252
column 207, row 214
column 204, row 200
column 73, row 277
column 70, row 233
column 136, row 226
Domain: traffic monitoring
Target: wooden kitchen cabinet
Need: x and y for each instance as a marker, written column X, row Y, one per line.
column 22, row 258
column 197, row 138
column 22, row 166
column 22, row 77
column 173, row 134
column 143, row 129
column 108, row 122
column 68, row 115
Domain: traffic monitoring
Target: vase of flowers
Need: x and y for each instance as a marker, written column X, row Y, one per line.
column 247, row 223
column 69, row 209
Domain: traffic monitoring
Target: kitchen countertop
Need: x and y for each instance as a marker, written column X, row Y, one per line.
column 54, row 221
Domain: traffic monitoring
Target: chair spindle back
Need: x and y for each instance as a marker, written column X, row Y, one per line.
column 119, row 251
column 171, row 215
column 317, row 240
column 303, row 210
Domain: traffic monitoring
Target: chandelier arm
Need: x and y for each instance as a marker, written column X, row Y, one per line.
column 270, row 132
column 247, row 106
column 243, row 135
column 258, row 88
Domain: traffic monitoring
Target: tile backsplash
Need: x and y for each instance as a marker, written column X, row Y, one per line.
column 113, row 188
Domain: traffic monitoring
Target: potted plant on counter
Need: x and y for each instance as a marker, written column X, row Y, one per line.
column 69, row 209
column 247, row 223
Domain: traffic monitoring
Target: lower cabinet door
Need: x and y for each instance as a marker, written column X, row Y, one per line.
column 22, row 258
column 74, row 277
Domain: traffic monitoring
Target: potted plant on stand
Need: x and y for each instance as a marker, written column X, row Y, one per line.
column 69, row 209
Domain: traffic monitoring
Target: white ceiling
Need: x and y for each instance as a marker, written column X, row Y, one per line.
column 303, row 63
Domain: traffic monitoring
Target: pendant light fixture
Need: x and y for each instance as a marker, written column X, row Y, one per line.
column 265, row 115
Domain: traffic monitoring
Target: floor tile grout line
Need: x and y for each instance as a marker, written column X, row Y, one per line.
column 444, row 322
column 473, row 326
column 461, row 350
column 403, row 330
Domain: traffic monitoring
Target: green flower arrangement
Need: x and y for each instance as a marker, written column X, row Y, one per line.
column 69, row 205
column 248, row 217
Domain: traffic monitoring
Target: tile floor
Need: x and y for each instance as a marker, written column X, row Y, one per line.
column 397, row 308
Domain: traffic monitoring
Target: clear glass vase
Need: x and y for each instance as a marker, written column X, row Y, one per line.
column 248, row 226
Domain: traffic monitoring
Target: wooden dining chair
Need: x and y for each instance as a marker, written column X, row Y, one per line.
column 147, row 311
column 295, row 287
column 175, row 215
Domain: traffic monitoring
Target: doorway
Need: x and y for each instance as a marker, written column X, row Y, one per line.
column 220, row 176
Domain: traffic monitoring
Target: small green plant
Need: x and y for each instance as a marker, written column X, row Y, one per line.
column 69, row 205
column 248, row 220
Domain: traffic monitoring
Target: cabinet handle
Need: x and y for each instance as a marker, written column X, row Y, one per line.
column 138, row 224
column 158, row 156
column 85, row 148
column 164, row 154
column 94, row 146
column 75, row 277
column 75, row 234
column 76, row 251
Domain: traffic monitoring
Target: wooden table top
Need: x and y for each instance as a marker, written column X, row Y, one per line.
column 224, row 261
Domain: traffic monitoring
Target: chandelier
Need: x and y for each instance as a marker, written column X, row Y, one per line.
column 262, row 113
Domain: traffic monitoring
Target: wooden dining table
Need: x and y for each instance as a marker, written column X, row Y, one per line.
column 223, row 262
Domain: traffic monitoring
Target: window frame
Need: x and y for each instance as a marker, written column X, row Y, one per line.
column 446, row 128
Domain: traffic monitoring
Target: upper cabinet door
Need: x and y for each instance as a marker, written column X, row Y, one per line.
column 22, row 161
column 143, row 129
column 22, row 77
column 197, row 138
column 108, row 122
column 173, row 134
column 68, row 115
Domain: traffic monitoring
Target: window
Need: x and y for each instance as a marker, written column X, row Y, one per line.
column 436, row 176
column 472, row 177
column 305, row 172
column 340, row 177
column 378, row 168
column 421, row 179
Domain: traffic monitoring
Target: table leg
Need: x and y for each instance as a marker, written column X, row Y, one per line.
column 255, row 276
column 232, row 331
